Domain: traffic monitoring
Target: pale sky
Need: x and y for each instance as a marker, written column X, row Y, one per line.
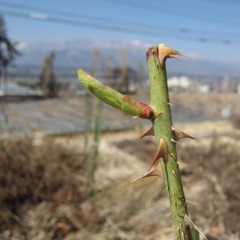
column 208, row 29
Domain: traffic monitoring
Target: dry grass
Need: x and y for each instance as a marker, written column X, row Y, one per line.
column 44, row 192
column 41, row 191
column 211, row 179
column 210, row 104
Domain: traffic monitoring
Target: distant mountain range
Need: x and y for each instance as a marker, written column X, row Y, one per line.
column 74, row 54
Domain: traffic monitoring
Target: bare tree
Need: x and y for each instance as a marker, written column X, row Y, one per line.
column 124, row 84
column 47, row 77
column 8, row 50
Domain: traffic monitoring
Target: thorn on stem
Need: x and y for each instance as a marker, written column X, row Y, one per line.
column 158, row 115
column 175, row 58
column 162, row 152
column 149, row 132
column 174, row 174
column 165, row 52
column 165, row 189
column 180, row 134
column 174, row 141
column 189, row 222
column 169, row 215
column 173, row 156
column 193, row 203
column 179, row 163
column 157, row 171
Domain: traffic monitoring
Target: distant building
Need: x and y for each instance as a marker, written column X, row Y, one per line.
column 226, row 112
column 205, row 88
column 182, row 83
column 225, row 84
column 15, row 90
column 228, row 84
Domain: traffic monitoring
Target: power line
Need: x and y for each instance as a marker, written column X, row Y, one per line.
column 100, row 27
column 71, row 15
column 182, row 30
column 53, row 11
column 156, row 8
column 222, row 2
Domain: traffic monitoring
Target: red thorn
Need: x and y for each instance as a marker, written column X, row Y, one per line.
column 157, row 171
column 162, row 151
column 165, row 52
column 149, row 132
column 180, row 134
column 176, row 57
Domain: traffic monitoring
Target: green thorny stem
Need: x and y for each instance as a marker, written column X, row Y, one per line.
column 95, row 149
column 167, row 136
column 159, row 112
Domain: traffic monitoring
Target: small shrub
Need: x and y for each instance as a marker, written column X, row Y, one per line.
column 43, row 191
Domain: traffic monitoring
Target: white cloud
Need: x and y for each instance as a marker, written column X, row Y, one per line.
column 193, row 55
column 21, row 46
column 136, row 42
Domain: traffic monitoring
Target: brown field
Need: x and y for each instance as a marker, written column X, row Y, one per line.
column 46, row 188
